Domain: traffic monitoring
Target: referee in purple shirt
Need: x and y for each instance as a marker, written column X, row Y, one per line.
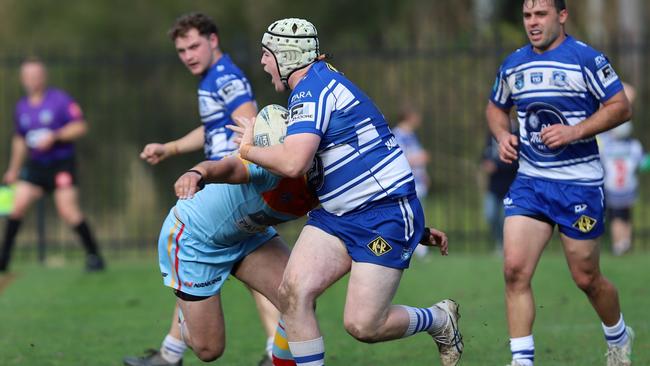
column 47, row 122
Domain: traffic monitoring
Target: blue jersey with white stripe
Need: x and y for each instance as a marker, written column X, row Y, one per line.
column 573, row 79
column 223, row 88
column 358, row 158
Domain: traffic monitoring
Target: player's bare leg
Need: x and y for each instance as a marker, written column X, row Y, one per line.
column 524, row 241
column 269, row 316
column 317, row 261
column 203, row 327
column 621, row 235
column 583, row 258
column 66, row 200
column 370, row 317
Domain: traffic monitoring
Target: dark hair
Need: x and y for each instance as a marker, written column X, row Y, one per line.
column 559, row 4
column 203, row 23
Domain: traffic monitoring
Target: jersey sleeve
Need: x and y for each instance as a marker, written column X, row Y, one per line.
column 262, row 179
column 310, row 110
column 234, row 92
column 70, row 109
column 501, row 94
column 602, row 80
column 17, row 125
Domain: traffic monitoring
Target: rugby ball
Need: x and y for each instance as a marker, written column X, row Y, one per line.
column 270, row 125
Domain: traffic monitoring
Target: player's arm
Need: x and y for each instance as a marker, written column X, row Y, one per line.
column 18, row 153
column 154, row 153
column 292, row 158
column 499, row 124
column 245, row 110
column 613, row 112
column 230, row 170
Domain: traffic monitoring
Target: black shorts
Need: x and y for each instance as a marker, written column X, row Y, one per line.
column 51, row 175
column 624, row 213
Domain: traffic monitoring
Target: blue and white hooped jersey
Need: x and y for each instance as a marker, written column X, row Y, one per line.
column 358, row 159
column 223, row 88
column 571, row 80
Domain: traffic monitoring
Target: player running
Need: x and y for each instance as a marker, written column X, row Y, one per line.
column 557, row 85
column 370, row 217
column 223, row 93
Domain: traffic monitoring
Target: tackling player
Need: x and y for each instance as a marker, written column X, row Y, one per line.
column 557, row 85
column 224, row 93
column 370, row 217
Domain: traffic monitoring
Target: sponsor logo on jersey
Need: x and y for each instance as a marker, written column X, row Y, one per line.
column 379, row 246
column 579, row 208
column 222, row 79
column 391, row 143
column 232, row 90
column 519, row 80
column 559, row 79
column 540, row 115
column 45, row 117
column 600, row 60
column 607, row 75
column 585, row 223
column 297, row 96
column 508, row 201
column 302, row 112
column 536, row 77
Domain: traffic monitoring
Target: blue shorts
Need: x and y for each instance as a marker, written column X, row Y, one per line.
column 577, row 210
column 386, row 233
column 196, row 267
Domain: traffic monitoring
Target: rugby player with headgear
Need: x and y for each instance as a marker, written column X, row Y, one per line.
column 370, row 219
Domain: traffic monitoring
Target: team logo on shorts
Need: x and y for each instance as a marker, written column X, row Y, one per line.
column 379, row 246
column 585, row 223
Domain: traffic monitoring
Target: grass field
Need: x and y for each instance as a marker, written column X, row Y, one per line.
column 62, row 316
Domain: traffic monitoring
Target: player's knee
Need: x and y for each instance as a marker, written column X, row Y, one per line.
column 586, row 281
column 362, row 330
column 208, row 352
column 294, row 295
column 515, row 275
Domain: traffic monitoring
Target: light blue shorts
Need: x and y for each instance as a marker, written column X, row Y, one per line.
column 199, row 268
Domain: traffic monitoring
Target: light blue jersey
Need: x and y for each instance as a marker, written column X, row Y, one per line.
column 359, row 158
column 223, row 88
column 572, row 80
column 204, row 237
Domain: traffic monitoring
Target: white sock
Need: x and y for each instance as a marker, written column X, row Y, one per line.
column 424, row 319
column 308, row 353
column 269, row 346
column 172, row 349
column 523, row 350
column 616, row 335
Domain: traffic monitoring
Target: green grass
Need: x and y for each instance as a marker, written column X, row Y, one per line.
column 62, row 316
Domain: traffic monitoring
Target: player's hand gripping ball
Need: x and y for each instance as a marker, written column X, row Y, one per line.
column 270, row 125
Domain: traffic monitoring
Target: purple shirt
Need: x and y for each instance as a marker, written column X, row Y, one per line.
column 33, row 121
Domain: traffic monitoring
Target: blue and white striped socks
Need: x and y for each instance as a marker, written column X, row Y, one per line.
column 523, row 350
column 308, row 353
column 424, row 319
column 616, row 335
